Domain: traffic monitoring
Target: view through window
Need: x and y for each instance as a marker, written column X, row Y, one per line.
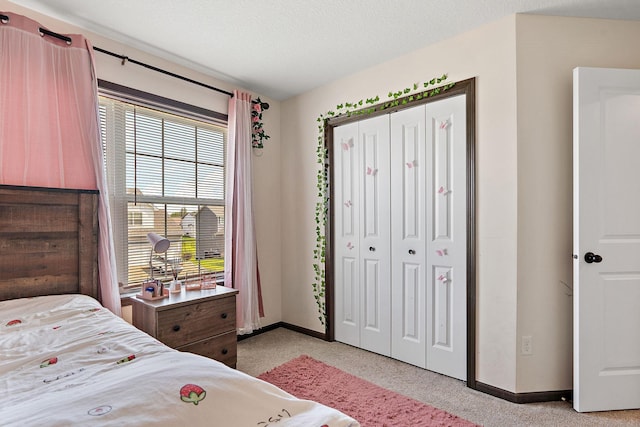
column 166, row 175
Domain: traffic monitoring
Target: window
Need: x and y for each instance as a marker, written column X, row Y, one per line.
column 166, row 175
column 135, row 218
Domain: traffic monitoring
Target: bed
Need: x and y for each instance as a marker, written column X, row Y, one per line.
column 66, row 360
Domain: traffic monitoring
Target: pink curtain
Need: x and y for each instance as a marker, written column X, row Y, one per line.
column 49, row 132
column 241, row 255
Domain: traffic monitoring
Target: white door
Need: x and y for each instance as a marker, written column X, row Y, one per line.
column 428, row 234
column 409, row 232
column 361, row 233
column 375, row 253
column 346, row 192
column 446, row 249
column 606, row 235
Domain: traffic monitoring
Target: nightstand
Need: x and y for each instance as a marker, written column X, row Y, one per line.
column 201, row 322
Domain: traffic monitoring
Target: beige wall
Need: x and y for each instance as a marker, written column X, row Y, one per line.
column 489, row 54
column 548, row 48
column 266, row 167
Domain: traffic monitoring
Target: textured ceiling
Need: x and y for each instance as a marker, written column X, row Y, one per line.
column 280, row 48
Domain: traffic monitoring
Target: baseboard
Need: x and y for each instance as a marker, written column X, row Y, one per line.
column 285, row 325
column 541, row 396
column 260, row 331
column 310, row 332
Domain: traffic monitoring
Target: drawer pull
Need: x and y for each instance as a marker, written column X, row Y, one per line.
column 176, row 328
column 223, row 315
column 225, row 351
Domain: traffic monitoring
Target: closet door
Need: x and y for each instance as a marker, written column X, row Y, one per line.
column 361, row 234
column 413, row 237
column 408, row 230
column 346, row 218
column 375, row 253
column 446, row 237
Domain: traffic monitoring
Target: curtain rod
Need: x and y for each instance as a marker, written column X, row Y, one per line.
column 43, row 31
column 160, row 70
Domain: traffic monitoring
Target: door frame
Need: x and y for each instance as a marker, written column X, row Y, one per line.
column 464, row 87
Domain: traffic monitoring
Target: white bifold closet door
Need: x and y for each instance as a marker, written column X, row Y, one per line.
column 362, row 234
column 409, row 229
column 400, row 235
column 428, row 228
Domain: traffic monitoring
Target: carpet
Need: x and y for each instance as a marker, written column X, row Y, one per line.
column 370, row 404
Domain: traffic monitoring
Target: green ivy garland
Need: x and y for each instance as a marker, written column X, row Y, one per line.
column 361, row 107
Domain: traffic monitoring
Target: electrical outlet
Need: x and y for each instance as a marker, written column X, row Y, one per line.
column 527, row 345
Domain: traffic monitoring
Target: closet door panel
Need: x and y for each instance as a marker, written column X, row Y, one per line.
column 412, row 327
column 446, row 243
column 346, row 234
column 442, row 306
column 349, row 292
column 408, row 230
column 374, row 238
column 372, row 303
column 442, row 180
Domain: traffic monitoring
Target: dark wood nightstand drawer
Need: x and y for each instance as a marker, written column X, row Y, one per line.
column 222, row 348
column 184, row 325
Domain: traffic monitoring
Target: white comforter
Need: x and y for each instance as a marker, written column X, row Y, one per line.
column 65, row 360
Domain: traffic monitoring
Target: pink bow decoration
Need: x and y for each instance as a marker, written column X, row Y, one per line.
column 371, row 171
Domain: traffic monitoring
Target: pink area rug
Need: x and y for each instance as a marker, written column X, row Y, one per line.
column 371, row 405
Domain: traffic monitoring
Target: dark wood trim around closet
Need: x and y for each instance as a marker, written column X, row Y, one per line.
column 465, row 87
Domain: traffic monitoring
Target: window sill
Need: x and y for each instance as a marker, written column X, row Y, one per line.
column 127, row 293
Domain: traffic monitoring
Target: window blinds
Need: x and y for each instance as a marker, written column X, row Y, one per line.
column 166, row 175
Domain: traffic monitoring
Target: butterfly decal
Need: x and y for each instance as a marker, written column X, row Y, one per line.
column 411, row 164
column 347, row 145
column 371, row 171
column 443, row 191
column 444, row 124
column 443, row 278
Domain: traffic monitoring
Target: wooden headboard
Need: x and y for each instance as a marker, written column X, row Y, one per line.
column 48, row 242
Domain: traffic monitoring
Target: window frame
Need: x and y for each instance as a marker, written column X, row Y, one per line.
column 118, row 197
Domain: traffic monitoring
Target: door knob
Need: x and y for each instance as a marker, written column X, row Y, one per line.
column 412, row 252
column 372, row 249
column 590, row 257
